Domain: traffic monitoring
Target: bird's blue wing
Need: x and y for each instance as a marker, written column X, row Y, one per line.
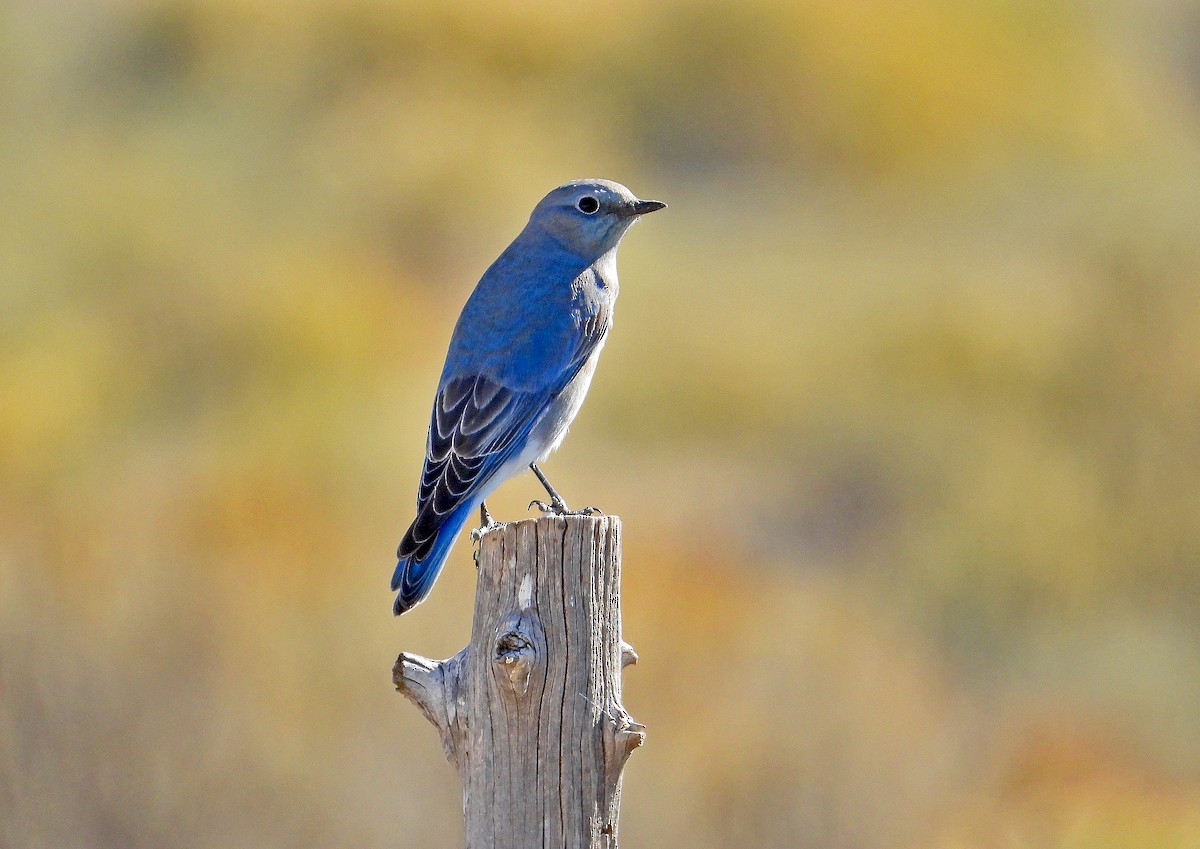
column 479, row 424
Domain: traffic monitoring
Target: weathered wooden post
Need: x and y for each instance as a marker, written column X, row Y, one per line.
column 530, row 712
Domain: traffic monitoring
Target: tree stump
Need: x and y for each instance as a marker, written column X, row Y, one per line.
column 530, row 712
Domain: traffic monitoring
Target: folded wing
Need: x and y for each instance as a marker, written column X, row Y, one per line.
column 478, row 425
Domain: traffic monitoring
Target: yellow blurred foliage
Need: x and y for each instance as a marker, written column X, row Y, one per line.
column 900, row 410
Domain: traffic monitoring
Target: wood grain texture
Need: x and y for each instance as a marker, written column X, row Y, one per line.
column 530, row 712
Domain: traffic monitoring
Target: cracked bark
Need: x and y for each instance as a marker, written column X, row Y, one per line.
column 530, row 712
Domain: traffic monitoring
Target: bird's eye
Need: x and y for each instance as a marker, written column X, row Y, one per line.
column 587, row 205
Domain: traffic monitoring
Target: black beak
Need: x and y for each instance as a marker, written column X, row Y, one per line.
column 641, row 207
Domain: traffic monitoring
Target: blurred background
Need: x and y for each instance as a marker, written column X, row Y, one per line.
column 901, row 409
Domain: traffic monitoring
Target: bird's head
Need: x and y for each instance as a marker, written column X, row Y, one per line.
column 589, row 217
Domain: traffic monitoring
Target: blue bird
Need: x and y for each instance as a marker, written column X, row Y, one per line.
column 520, row 362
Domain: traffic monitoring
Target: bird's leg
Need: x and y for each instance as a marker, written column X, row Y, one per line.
column 556, row 506
column 486, row 523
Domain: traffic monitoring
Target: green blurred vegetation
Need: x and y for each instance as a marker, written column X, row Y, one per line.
column 901, row 409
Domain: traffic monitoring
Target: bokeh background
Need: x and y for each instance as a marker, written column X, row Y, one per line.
column 901, row 409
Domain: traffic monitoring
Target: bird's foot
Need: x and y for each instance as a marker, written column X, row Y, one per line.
column 486, row 523
column 557, row 507
column 478, row 533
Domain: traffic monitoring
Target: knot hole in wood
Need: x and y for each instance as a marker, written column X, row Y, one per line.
column 517, row 651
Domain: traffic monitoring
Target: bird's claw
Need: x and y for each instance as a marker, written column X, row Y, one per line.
column 479, row 533
column 559, row 508
column 486, row 523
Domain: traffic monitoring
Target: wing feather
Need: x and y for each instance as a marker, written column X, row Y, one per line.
column 479, row 424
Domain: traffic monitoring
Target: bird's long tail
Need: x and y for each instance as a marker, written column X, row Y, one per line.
column 415, row 573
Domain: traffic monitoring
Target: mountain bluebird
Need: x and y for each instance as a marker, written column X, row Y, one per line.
column 520, row 362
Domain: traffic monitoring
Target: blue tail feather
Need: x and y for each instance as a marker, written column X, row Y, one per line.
column 413, row 578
